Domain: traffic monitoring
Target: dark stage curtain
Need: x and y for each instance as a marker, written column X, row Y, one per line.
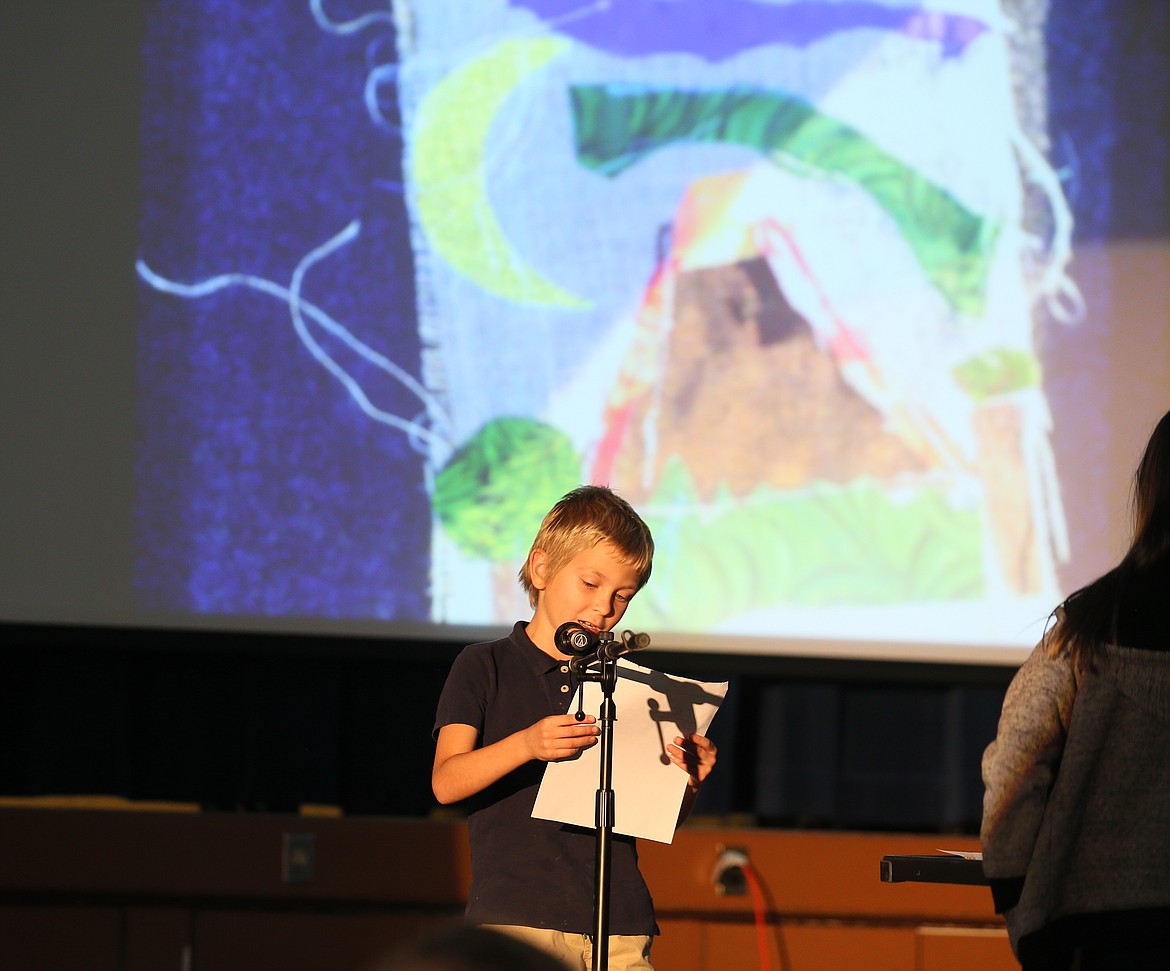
column 236, row 723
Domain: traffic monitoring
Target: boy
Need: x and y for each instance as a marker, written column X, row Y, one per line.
column 504, row 711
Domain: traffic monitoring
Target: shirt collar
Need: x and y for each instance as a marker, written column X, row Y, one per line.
column 534, row 657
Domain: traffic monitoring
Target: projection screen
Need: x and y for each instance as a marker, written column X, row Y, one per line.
column 861, row 303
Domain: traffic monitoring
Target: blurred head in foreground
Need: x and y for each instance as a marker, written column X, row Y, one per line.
column 468, row 948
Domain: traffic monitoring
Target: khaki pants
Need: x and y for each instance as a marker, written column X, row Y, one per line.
column 626, row 953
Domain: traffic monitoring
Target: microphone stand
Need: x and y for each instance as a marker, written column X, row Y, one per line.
column 606, row 676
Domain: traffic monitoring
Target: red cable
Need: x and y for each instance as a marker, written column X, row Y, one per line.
column 761, row 914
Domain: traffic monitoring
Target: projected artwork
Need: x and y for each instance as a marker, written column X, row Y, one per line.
column 771, row 268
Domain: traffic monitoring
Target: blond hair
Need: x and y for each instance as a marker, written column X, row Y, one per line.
column 579, row 521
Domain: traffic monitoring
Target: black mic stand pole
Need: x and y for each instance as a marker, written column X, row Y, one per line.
column 604, row 807
column 604, row 813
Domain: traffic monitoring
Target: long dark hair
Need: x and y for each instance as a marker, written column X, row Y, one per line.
column 1088, row 618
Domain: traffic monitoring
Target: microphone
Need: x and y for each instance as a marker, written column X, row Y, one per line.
column 576, row 640
column 630, row 642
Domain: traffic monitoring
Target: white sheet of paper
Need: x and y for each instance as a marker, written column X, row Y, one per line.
column 965, row 854
column 652, row 708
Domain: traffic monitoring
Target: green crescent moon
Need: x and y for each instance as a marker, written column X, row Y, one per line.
column 449, row 135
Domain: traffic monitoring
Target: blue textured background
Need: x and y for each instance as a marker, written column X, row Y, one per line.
column 263, row 489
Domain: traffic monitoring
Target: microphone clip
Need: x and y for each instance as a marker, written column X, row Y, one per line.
column 584, row 645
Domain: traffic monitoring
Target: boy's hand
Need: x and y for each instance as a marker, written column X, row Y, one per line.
column 695, row 755
column 561, row 737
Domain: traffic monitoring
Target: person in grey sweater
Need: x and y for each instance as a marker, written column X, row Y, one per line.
column 1076, row 809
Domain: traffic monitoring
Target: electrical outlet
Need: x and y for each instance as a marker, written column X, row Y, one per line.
column 298, row 857
column 728, row 876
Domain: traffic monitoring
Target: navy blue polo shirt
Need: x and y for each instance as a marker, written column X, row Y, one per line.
column 531, row 872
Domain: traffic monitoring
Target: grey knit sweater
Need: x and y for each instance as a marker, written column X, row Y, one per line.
column 1076, row 813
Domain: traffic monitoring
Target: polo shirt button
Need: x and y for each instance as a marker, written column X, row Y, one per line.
column 564, row 689
column 564, row 669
